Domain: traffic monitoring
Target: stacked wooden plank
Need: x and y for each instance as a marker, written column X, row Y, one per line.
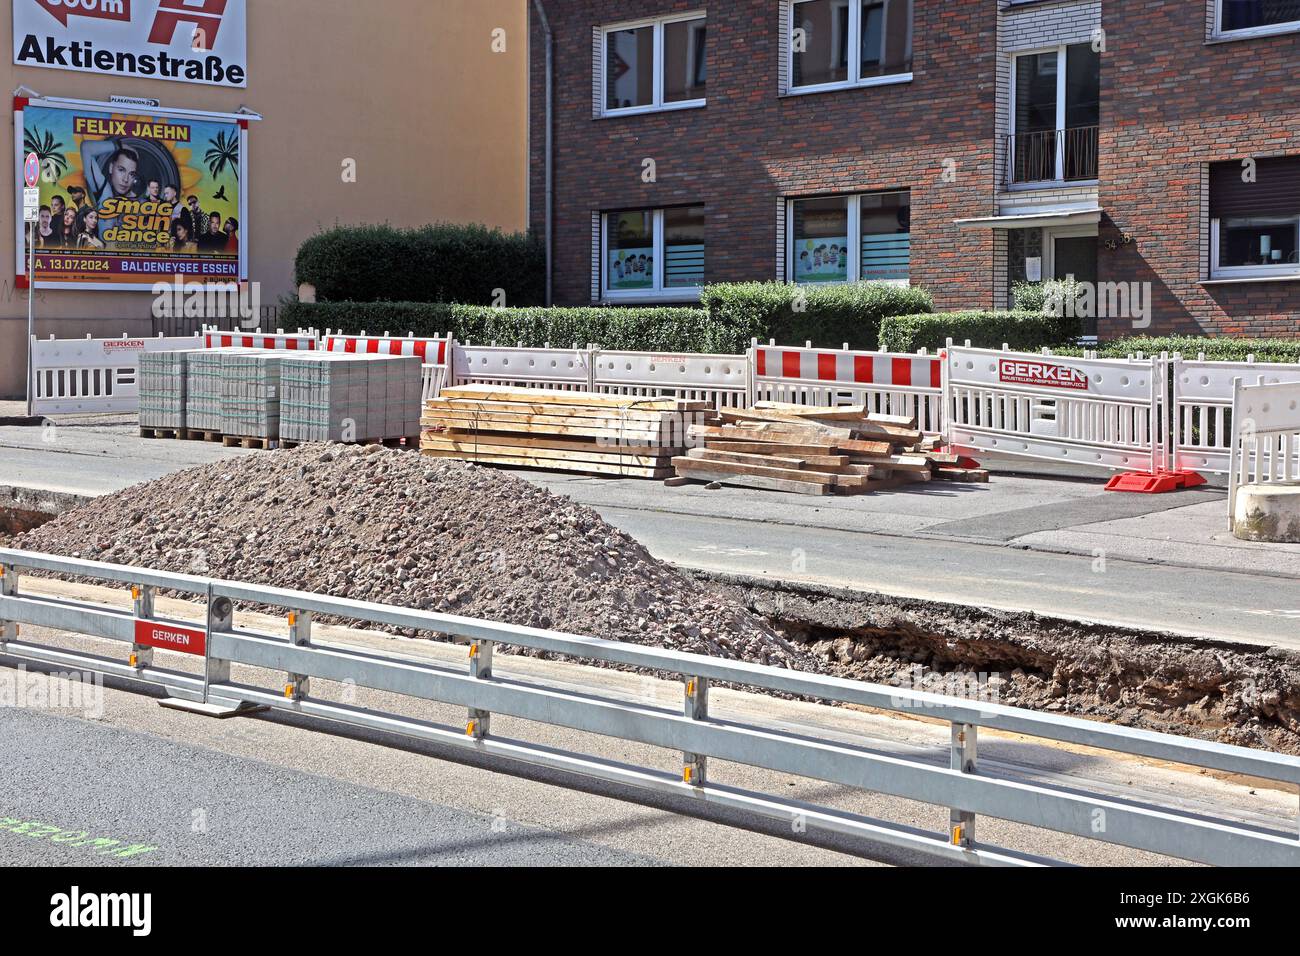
column 816, row 451
column 569, row 431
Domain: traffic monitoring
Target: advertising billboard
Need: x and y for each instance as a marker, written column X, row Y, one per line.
column 129, row 199
column 185, row 41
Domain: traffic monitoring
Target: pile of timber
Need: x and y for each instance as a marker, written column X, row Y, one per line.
column 569, row 431
column 816, row 451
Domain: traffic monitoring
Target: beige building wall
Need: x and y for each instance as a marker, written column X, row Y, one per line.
column 412, row 90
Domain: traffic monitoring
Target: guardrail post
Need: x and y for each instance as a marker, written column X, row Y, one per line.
column 480, row 667
column 221, row 619
column 298, row 686
column 962, row 757
column 8, row 588
column 695, row 766
column 142, row 595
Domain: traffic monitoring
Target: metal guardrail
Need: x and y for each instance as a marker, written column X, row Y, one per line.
column 691, row 730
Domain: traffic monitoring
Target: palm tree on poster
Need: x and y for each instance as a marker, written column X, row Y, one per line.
column 52, row 161
column 224, row 153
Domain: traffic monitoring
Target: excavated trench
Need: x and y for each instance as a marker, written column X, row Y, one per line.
column 1155, row 681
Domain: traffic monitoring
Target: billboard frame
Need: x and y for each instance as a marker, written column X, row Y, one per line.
column 243, row 119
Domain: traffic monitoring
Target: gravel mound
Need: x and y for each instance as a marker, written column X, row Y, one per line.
column 376, row 524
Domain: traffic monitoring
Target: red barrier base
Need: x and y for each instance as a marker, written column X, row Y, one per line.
column 1153, row 483
column 963, row 461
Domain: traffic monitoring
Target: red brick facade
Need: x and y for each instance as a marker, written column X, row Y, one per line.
column 1170, row 104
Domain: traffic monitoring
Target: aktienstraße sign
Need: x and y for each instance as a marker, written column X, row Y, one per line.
column 185, row 41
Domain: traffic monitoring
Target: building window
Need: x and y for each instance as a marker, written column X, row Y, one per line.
column 866, row 237
column 653, row 252
column 1255, row 218
column 1055, row 112
column 653, row 65
column 1256, row 17
column 842, row 43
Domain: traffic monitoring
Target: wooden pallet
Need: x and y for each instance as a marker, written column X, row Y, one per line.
column 816, row 451
column 161, row 432
column 246, row 441
column 598, row 434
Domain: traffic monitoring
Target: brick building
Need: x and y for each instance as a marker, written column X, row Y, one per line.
column 961, row 145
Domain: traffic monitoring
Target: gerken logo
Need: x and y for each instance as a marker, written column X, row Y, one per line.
column 1021, row 372
column 101, row 910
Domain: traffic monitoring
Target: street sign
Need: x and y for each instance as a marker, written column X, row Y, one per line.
column 31, row 203
column 32, row 170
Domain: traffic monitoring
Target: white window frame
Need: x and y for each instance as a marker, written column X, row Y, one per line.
column 1060, row 49
column 1290, row 26
column 853, row 202
column 855, row 54
column 1285, row 269
column 658, row 292
column 657, row 104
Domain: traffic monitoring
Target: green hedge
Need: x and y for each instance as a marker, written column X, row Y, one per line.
column 1216, row 348
column 438, row 263
column 828, row 316
column 1023, row 331
column 640, row 330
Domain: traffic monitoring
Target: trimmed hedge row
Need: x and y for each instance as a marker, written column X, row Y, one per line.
column 438, row 263
column 1023, row 331
column 638, row 330
column 734, row 314
column 828, row 316
column 1216, row 348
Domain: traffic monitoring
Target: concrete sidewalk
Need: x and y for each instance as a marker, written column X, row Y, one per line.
column 1037, row 537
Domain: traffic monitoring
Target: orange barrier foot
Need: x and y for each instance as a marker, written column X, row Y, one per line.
column 1154, row 483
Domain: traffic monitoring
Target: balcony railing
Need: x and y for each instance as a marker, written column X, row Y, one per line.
column 1054, row 155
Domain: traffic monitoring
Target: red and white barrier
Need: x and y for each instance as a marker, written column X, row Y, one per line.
column 432, row 351
column 290, row 342
column 887, row 383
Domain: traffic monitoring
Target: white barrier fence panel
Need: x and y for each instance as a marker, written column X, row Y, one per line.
column 1103, row 412
column 723, row 380
column 566, row 369
column 1203, row 428
column 1265, row 443
column 434, row 354
column 887, row 383
column 73, row 376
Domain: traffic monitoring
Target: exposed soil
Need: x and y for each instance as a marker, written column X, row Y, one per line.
column 1161, row 682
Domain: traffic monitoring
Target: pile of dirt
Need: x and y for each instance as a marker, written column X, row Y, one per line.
column 376, row 524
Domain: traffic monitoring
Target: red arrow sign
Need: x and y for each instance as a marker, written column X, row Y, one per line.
column 96, row 9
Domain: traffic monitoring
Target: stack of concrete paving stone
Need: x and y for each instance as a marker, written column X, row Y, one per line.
column 250, row 397
column 350, row 398
column 162, row 390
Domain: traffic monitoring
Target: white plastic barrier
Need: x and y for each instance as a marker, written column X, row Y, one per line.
column 1265, row 443
column 1103, row 412
column 723, row 380
column 72, row 376
column 887, row 383
column 567, row 369
column 1203, row 427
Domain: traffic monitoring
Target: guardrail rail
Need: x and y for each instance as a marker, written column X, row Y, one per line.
column 690, row 730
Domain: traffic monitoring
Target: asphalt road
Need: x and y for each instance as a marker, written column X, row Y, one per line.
column 167, row 804
column 1227, row 605
column 280, row 788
